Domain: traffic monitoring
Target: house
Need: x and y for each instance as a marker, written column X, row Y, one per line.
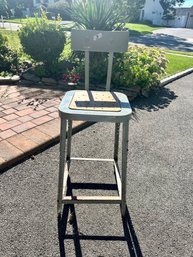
column 153, row 11
column 183, row 18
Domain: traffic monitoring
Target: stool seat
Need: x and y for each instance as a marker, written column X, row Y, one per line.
column 85, row 105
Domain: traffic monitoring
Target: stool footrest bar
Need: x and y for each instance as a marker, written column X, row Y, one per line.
column 91, row 199
column 91, row 159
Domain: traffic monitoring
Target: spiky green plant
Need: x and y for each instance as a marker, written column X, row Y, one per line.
column 96, row 14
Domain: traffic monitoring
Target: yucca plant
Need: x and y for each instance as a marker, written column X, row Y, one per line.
column 97, row 14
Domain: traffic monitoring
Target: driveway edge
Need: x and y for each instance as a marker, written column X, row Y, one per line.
column 175, row 77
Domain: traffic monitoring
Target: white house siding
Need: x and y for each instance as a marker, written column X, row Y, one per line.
column 177, row 22
column 190, row 22
column 183, row 18
column 152, row 11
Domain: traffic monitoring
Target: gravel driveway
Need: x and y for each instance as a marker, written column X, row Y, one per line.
column 159, row 221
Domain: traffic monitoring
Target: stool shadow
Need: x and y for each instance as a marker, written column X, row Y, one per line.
column 129, row 235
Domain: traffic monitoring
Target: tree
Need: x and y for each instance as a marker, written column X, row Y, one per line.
column 134, row 9
column 22, row 3
column 129, row 8
column 4, row 10
column 18, row 6
column 59, row 7
column 168, row 6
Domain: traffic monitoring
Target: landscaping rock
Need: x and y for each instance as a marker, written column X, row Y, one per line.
column 6, row 80
column 49, row 81
column 40, row 84
column 25, row 82
column 15, row 78
column 61, row 83
column 31, row 77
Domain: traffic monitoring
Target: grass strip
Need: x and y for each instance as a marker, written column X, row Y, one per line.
column 177, row 64
column 136, row 29
column 178, row 52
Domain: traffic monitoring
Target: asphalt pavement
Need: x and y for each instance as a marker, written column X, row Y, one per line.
column 159, row 221
column 176, row 32
column 179, row 39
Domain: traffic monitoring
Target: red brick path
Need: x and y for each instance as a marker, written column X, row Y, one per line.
column 28, row 120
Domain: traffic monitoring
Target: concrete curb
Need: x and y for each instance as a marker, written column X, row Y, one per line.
column 175, row 77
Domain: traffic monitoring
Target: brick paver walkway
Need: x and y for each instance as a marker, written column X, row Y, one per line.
column 28, row 121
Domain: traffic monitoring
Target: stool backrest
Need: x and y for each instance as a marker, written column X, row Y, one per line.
column 99, row 41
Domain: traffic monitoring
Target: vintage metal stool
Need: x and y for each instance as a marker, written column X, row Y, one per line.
column 104, row 106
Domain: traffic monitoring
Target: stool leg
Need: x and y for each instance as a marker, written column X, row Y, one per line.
column 116, row 142
column 69, row 137
column 124, row 165
column 62, row 164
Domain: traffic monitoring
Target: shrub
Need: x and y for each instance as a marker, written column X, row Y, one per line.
column 43, row 40
column 8, row 58
column 139, row 67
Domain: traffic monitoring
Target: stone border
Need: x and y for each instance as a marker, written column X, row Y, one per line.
column 163, row 82
column 9, row 80
column 175, row 77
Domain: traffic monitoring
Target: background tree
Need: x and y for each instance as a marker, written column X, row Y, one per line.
column 134, row 9
column 4, row 9
column 168, row 6
column 19, row 5
column 59, row 7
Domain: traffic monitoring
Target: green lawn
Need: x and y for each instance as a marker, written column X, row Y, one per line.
column 178, row 52
column 138, row 29
column 177, row 64
column 13, row 38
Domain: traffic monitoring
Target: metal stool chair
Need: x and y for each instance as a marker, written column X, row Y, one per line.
column 95, row 106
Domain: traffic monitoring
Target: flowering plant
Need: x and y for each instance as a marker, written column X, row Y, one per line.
column 71, row 76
